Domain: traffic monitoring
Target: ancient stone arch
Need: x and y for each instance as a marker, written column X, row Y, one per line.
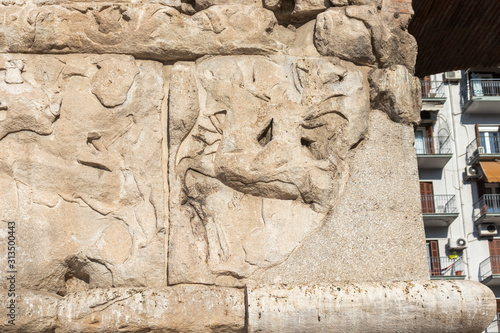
column 214, row 165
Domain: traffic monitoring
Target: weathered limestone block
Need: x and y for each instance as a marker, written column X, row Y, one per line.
column 172, row 3
column 338, row 35
column 415, row 307
column 261, row 150
column 410, row 307
column 284, row 155
column 378, row 42
column 356, row 2
column 24, row 106
column 303, row 45
column 363, row 238
column 395, row 91
column 144, row 30
column 113, row 80
column 392, row 43
column 86, row 179
column 296, row 10
column 35, row 311
column 186, row 308
column 204, row 4
column 189, row 308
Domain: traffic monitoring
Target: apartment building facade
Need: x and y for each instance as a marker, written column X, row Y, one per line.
column 458, row 152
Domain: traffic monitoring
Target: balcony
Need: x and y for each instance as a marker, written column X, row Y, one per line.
column 487, row 209
column 488, row 149
column 438, row 210
column 494, row 326
column 481, row 96
column 489, row 271
column 433, row 152
column 433, row 92
column 444, row 268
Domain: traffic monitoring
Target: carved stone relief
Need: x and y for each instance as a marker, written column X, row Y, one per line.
column 167, row 153
column 24, row 106
column 80, row 171
column 260, row 163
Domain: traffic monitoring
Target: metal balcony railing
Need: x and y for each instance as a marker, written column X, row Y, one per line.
column 494, row 326
column 477, row 88
column 489, row 143
column 488, row 203
column 438, row 204
column 484, row 87
column 432, row 89
column 488, row 267
column 444, row 266
column 433, row 145
column 471, row 151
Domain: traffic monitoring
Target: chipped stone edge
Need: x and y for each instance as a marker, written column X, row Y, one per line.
column 389, row 307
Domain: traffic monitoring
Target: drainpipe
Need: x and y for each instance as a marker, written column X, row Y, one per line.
column 460, row 183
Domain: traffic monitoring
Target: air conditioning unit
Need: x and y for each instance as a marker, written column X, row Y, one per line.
column 453, row 76
column 471, row 172
column 487, row 229
column 457, row 243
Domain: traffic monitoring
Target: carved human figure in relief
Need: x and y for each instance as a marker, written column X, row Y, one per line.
column 267, row 157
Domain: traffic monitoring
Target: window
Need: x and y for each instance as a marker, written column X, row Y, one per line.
column 427, row 197
column 424, row 142
column 433, row 257
column 489, row 138
column 494, row 245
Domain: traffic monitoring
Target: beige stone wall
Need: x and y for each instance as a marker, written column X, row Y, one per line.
column 272, row 155
column 149, row 149
column 414, row 307
column 81, row 171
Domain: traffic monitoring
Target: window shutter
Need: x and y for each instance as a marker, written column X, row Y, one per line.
column 478, row 139
column 434, row 260
column 481, row 188
column 429, row 139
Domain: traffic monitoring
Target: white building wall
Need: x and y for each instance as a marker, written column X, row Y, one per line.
column 451, row 179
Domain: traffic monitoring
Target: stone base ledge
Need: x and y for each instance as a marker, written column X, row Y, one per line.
column 416, row 306
column 409, row 307
column 183, row 308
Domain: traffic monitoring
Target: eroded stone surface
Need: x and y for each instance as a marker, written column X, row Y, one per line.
column 362, row 34
column 353, row 42
column 113, row 80
column 145, row 30
column 35, row 311
column 86, row 179
column 297, row 10
column 284, row 152
column 356, row 2
column 23, row 105
column 263, row 149
column 174, row 309
column 395, row 91
column 352, row 244
column 464, row 306
column 172, row 3
column 204, row 4
column 416, row 307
